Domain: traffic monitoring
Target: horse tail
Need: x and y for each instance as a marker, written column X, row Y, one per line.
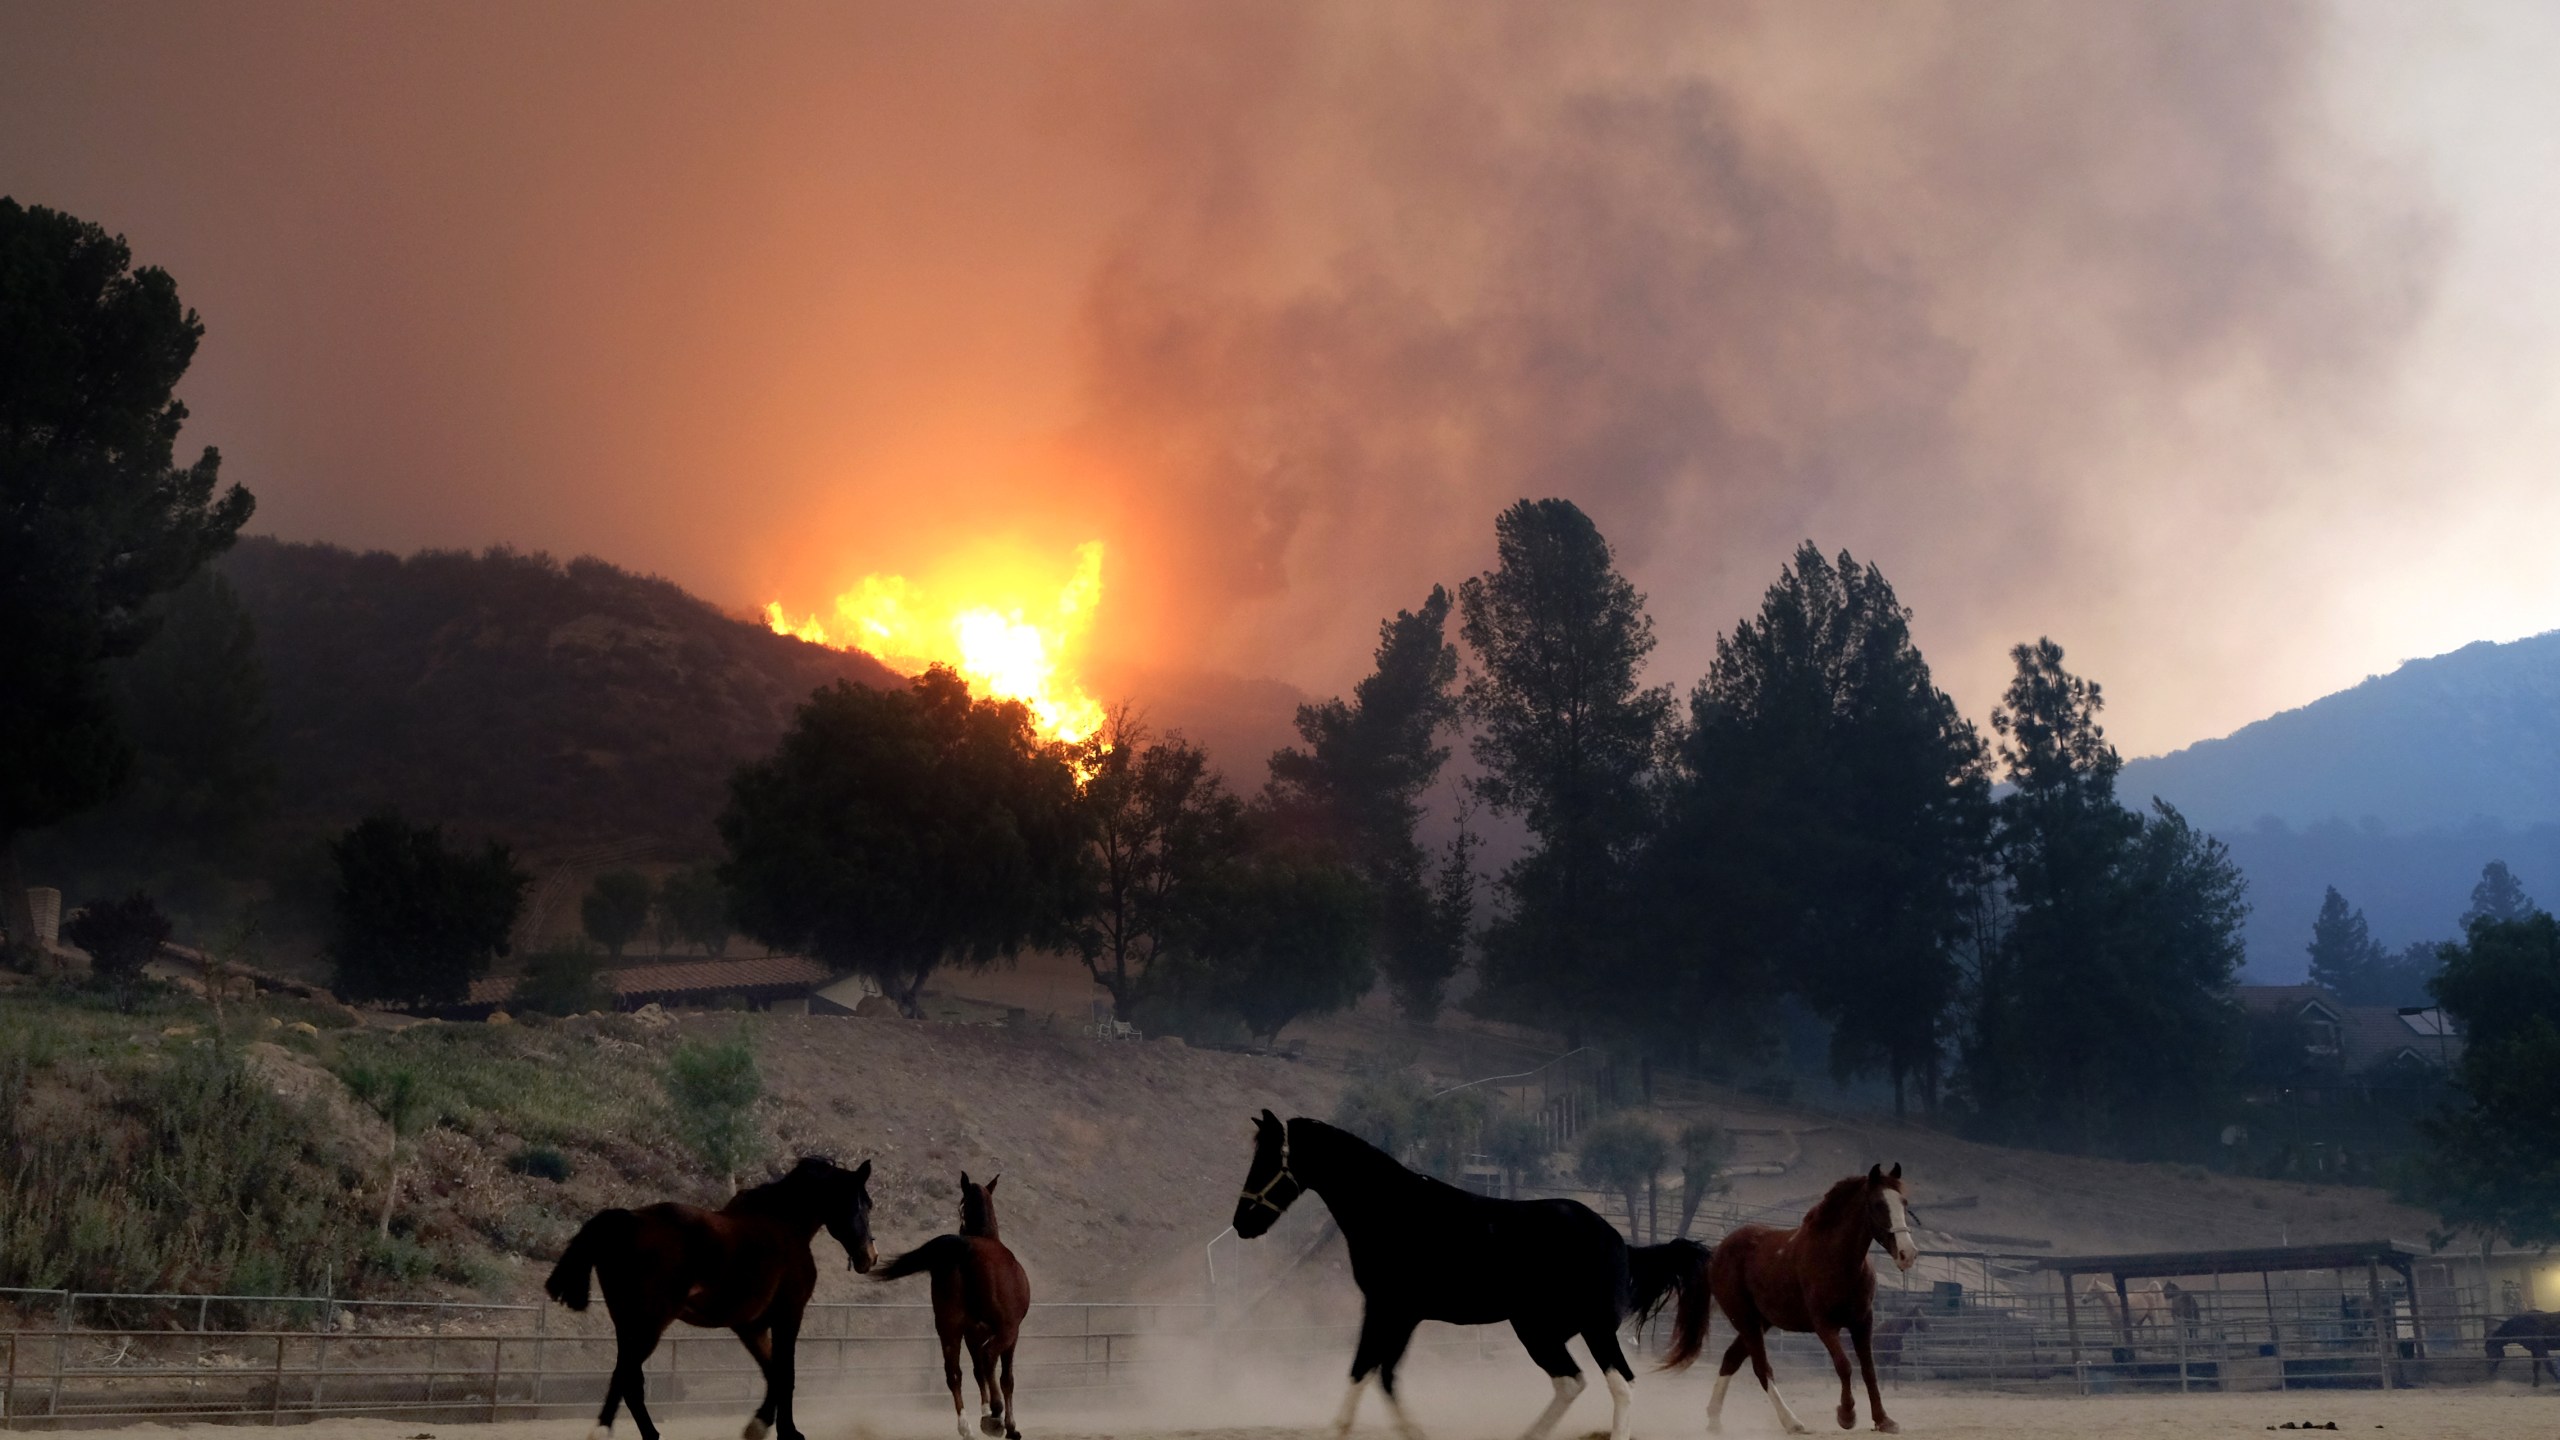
column 609, row 1230
column 938, row 1254
column 1661, row 1272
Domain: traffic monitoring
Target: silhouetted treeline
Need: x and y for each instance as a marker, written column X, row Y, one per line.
column 1817, row 825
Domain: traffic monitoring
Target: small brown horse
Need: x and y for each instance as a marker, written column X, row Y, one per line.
column 1814, row 1277
column 745, row 1267
column 979, row 1296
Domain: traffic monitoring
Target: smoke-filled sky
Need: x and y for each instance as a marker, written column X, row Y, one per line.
column 2217, row 341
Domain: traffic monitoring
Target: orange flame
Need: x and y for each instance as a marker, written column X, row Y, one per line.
column 1005, row 651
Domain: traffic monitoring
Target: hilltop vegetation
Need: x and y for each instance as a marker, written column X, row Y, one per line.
column 514, row 693
column 505, row 695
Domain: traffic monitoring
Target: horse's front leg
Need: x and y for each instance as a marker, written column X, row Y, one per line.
column 1862, row 1335
column 759, row 1343
column 1830, row 1338
column 785, row 1376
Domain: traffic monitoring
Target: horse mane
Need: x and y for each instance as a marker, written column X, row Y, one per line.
column 977, row 1212
column 777, row 1195
column 1353, row 1155
column 1827, row 1211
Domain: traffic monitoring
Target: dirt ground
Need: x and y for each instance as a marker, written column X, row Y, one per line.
column 1673, row 1410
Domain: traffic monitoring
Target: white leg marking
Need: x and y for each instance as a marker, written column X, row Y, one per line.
column 1787, row 1420
column 1715, row 1405
column 1350, row 1407
column 1395, row 1407
column 1568, row 1389
column 1620, row 1394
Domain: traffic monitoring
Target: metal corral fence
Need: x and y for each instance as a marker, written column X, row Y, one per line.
column 2265, row 1336
column 1969, row 1318
column 80, row 1359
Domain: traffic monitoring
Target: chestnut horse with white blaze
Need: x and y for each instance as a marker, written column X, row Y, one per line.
column 1814, row 1277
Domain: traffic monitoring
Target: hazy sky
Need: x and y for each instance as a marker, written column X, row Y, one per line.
column 2217, row 341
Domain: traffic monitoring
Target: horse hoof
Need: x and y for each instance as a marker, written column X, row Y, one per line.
column 990, row 1425
column 1848, row 1417
column 601, row 1432
column 1887, row 1427
column 754, row 1431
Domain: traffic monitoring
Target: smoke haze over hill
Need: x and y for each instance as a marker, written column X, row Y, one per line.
column 2131, row 325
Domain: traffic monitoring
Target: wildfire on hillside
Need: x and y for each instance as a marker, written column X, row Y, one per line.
column 1009, row 638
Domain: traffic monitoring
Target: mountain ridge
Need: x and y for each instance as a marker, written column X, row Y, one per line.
column 2444, row 741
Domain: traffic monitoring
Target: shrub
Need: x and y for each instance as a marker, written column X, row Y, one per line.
column 121, row 937
column 712, row 1086
column 616, row 908
column 1397, row 1114
column 1705, row 1149
column 1518, row 1144
column 398, row 1094
column 1623, row 1154
column 570, row 980
column 203, row 1180
column 542, row 1162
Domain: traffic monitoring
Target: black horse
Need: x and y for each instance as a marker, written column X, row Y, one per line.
column 1421, row 1250
column 2537, row 1332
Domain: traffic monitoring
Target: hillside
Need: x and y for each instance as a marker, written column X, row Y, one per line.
column 1120, row 1159
column 513, row 694
column 2441, row 742
column 2396, row 792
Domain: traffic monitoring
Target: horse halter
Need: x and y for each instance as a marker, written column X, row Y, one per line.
column 1262, row 1197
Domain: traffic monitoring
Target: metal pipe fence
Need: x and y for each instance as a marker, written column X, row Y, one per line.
column 78, row 1359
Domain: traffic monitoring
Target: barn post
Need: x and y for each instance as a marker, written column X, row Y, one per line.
column 2124, row 1313
column 2417, row 1325
column 2382, row 1334
column 2275, row 1337
column 2071, row 1319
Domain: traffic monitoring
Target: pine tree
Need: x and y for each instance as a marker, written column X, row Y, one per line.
column 1829, row 804
column 2345, row 958
column 2498, row 896
column 1568, row 737
column 1358, row 784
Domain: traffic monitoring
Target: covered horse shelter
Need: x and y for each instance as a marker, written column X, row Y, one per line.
column 2342, row 1313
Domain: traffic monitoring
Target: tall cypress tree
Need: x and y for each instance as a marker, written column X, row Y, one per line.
column 1568, row 736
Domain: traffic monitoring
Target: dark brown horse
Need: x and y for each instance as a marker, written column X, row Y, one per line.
column 2537, row 1332
column 979, row 1296
column 744, row 1267
column 1814, row 1277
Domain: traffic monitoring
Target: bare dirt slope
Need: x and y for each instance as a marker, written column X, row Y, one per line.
column 1120, row 1159
column 1972, row 1196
